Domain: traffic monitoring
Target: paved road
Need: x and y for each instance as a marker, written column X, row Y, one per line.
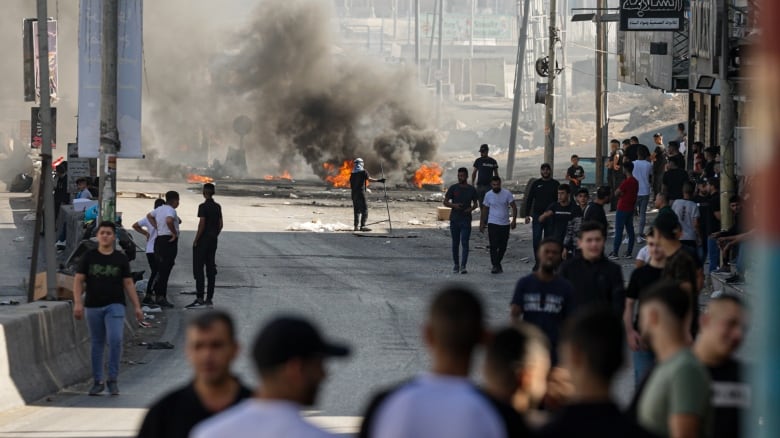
column 369, row 291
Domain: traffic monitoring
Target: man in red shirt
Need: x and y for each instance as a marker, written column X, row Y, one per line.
column 624, row 216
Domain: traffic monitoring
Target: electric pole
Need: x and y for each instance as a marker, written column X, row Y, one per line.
column 549, row 101
column 417, row 36
column 726, row 122
column 47, row 186
column 109, row 136
column 601, row 91
column 519, row 67
column 440, row 74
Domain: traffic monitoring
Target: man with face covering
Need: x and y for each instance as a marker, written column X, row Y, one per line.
column 357, row 182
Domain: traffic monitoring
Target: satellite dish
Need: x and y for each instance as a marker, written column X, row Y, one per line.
column 242, row 125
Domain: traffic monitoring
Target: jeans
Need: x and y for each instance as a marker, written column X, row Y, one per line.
column 359, row 208
column 106, row 324
column 499, row 236
column 153, row 275
column 741, row 250
column 165, row 251
column 204, row 256
column 460, row 230
column 539, row 228
column 624, row 219
column 713, row 253
column 641, row 203
column 643, row 363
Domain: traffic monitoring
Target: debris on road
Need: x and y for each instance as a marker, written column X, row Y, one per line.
column 316, row 226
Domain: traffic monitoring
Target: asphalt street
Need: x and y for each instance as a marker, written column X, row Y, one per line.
column 370, row 292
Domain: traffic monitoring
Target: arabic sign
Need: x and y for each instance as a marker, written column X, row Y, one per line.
column 457, row 27
column 36, row 128
column 652, row 15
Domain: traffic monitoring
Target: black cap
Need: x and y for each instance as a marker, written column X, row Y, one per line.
column 289, row 337
column 484, row 147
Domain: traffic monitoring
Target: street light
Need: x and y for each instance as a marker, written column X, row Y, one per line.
column 600, row 18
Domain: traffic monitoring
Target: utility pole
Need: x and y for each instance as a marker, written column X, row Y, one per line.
column 109, row 136
column 726, row 122
column 519, row 67
column 417, row 36
column 601, row 91
column 46, row 193
column 549, row 101
column 439, row 91
column 471, row 49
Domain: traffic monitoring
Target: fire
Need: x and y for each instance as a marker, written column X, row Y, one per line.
column 339, row 177
column 194, row 178
column 427, row 174
column 285, row 176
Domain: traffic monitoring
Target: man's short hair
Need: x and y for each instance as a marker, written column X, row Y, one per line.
column 688, row 188
column 728, row 298
column 589, row 226
column 456, row 319
column 629, row 166
column 107, row 224
column 204, row 321
column 670, row 295
column 681, row 268
column 575, row 156
column 550, row 240
column 495, row 178
column 674, row 145
column 209, row 188
column 512, row 348
column 545, row 166
column 681, row 126
column 564, row 188
column 667, row 224
column 462, row 169
column 598, row 333
column 627, row 141
column 171, row 196
column 583, row 190
column 603, row 192
column 642, row 153
column 657, row 135
column 634, row 138
column 735, row 198
column 158, row 202
column 81, row 180
column 614, row 141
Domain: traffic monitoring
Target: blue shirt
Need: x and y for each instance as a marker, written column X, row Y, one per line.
column 545, row 304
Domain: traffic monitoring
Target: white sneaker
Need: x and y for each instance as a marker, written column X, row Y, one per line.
column 60, row 243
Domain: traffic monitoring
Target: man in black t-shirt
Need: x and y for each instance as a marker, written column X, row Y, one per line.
column 461, row 198
column 614, row 167
column 357, row 183
column 106, row 274
column 485, row 168
column 723, row 328
column 542, row 193
column 595, row 209
column 560, row 213
column 211, row 347
column 575, row 174
column 658, row 158
column 673, row 154
column 673, row 181
column 204, row 247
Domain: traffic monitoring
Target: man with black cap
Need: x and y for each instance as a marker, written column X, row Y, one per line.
column 289, row 354
column 542, row 193
column 443, row 402
column 485, row 168
column 357, row 182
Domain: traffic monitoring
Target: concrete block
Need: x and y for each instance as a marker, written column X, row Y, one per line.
column 42, row 350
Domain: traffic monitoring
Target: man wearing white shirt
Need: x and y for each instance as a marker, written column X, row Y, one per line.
column 642, row 171
column 443, row 402
column 166, row 222
column 495, row 216
column 143, row 226
column 288, row 354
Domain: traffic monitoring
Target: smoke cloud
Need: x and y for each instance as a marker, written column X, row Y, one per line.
column 308, row 97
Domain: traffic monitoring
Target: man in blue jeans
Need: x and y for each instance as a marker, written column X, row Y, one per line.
column 106, row 273
column 624, row 217
column 542, row 193
column 462, row 199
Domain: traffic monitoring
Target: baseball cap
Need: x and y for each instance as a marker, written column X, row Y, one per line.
column 484, row 147
column 289, row 337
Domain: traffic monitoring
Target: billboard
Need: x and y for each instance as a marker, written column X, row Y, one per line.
column 652, row 15
column 129, row 77
column 31, row 60
column 36, row 128
column 458, row 26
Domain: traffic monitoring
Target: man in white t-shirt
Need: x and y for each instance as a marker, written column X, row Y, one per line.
column 143, row 226
column 642, row 171
column 289, row 355
column 166, row 223
column 495, row 217
column 442, row 402
column 687, row 212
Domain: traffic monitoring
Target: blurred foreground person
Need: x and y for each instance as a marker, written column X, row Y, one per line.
column 675, row 401
column 592, row 350
column 722, row 330
column 289, row 355
column 211, row 347
column 443, row 402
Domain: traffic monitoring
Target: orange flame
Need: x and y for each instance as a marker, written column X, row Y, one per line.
column 427, row 174
column 339, row 177
column 285, row 176
column 194, row 178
